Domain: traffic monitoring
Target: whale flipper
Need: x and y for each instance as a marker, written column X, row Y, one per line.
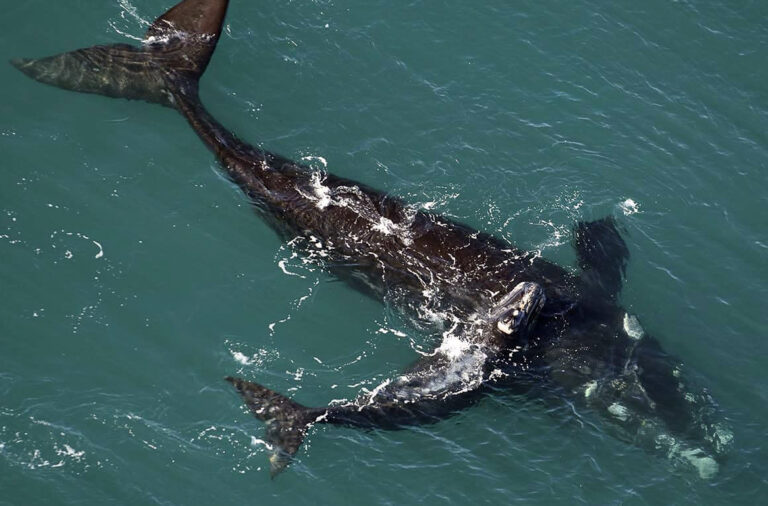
column 173, row 55
column 286, row 421
column 602, row 256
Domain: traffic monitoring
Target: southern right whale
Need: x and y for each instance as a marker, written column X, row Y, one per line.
column 519, row 319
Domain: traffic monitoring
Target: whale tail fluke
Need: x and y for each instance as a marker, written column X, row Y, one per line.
column 286, row 421
column 174, row 54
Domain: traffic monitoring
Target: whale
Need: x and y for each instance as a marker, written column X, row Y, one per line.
column 508, row 318
column 435, row 387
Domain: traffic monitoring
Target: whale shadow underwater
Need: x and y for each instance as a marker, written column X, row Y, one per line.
column 510, row 318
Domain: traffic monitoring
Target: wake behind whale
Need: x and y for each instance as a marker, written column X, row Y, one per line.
column 519, row 317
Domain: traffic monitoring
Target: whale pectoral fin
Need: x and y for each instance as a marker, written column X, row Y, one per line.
column 602, row 256
column 286, row 421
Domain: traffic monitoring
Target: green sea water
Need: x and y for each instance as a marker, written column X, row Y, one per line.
column 134, row 276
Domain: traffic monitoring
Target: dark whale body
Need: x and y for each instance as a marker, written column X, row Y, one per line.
column 563, row 329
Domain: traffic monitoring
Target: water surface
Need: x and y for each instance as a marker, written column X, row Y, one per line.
column 134, row 277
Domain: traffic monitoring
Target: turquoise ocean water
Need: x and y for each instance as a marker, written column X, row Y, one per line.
column 134, row 277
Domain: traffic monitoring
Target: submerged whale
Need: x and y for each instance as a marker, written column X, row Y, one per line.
column 518, row 319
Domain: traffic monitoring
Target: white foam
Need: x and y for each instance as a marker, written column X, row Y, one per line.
column 68, row 451
column 68, row 253
column 385, row 226
column 240, row 357
column 629, row 207
column 282, row 263
column 320, row 159
column 589, row 388
column 255, row 442
column 558, row 236
column 723, row 437
column 387, row 330
column 257, row 358
column 619, row 411
column 497, row 373
column 463, row 373
column 453, row 346
column 632, row 327
column 322, row 192
column 704, row 464
column 375, row 392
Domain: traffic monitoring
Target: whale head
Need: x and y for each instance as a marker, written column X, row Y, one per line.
column 516, row 313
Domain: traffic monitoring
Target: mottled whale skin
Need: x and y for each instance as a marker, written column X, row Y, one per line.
column 567, row 331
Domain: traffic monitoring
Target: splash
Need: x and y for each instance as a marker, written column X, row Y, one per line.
column 68, row 254
column 629, row 207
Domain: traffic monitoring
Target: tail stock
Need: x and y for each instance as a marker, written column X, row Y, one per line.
column 174, row 54
column 287, row 421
